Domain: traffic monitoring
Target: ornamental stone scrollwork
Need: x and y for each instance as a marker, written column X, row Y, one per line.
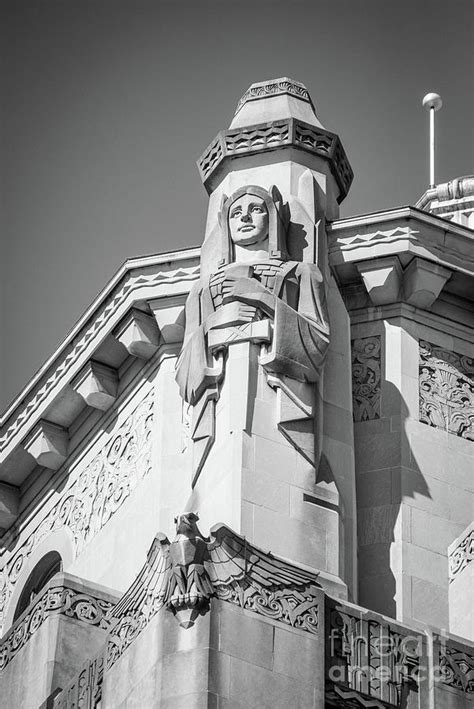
column 182, row 576
column 456, row 667
column 462, row 554
column 298, row 607
column 94, row 496
column 366, row 381
column 56, row 600
column 446, row 389
column 367, row 659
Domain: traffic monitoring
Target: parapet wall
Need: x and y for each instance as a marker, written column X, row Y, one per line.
column 253, row 644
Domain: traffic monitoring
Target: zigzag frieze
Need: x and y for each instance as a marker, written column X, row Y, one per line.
column 417, row 239
column 388, row 236
column 64, row 371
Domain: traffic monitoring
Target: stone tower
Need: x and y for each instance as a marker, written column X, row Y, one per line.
column 286, row 438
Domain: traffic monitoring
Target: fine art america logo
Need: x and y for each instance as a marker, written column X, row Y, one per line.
column 378, row 660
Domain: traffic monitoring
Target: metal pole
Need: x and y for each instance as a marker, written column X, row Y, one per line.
column 433, row 103
column 432, row 147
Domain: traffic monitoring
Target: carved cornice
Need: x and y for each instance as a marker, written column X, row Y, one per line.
column 461, row 553
column 264, row 137
column 137, row 279
column 94, row 497
column 57, row 599
column 405, row 231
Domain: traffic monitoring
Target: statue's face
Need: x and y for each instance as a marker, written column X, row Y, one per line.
column 248, row 220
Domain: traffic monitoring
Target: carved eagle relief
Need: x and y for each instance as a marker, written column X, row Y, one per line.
column 184, row 574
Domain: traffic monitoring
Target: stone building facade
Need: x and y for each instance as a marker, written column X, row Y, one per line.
column 292, row 405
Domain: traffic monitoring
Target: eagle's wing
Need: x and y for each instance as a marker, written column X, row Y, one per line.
column 231, row 558
column 149, row 587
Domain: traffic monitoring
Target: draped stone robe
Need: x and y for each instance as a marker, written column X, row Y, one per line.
column 300, row 325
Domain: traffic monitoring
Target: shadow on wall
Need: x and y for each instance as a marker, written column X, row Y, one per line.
column 386, row 473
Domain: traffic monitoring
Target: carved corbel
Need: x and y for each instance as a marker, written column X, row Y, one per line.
column 382, row 278
column 139, row 334
column 169, row 314
column 9, row 502
column 48, row 444
column 423, row 281
column 97, row 385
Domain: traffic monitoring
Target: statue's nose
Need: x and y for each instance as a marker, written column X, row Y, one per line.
column 246, row 217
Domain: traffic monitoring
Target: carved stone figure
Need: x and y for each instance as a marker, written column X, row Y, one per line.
column 184, row 574
column 256, row 295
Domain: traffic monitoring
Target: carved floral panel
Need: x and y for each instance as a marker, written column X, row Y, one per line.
column 446, row 389
column 94, row 496
column 366, row 378
column 462, row 554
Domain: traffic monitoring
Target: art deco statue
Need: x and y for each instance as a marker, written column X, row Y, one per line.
column 258, row 295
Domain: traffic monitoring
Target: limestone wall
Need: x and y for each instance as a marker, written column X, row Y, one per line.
column 413, row 464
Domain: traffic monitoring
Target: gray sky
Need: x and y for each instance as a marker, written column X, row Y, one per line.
column 107, row 105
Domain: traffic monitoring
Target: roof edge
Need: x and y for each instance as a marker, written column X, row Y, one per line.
column 126, row 267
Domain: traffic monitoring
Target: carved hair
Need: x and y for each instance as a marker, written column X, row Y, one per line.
column 278, row 218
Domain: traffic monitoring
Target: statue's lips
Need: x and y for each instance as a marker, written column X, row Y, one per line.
column 247, row 227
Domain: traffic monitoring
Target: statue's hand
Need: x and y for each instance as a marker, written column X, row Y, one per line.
column 250, row 291
column 237, row 288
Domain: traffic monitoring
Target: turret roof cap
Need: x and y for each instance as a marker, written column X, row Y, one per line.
column 275, row 99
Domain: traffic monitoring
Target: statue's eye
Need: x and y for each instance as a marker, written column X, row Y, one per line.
column 256, row 208
column 236, row 213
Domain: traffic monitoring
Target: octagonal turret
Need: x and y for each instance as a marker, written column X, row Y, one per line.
column 271, row 117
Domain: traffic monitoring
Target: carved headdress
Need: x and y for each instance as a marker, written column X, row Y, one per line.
column 278, row 219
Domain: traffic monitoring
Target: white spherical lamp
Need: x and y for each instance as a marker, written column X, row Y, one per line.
column 432, row 101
